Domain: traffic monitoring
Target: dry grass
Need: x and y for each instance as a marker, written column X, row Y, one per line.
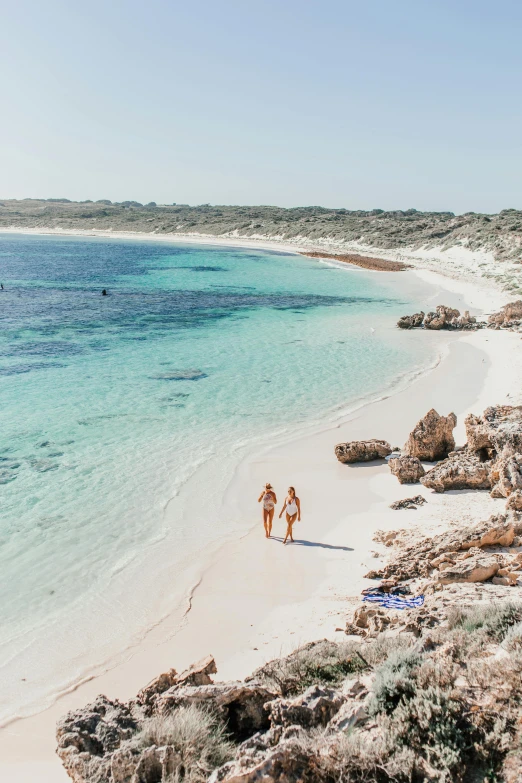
column 493, row 620
column 317, row 663
column 198, row 737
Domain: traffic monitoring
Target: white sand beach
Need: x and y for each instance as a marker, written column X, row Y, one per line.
column 259, row 599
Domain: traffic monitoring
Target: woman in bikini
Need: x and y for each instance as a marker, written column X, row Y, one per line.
column 293, row 511
column 268, row 496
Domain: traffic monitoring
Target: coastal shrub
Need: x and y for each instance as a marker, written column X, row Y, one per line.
column 324, row 662
column 439, row 673
column 493, row 619
column 394, row 681
column 378, row 650
column 197, row 735
column 449, row 737
column 356, row 757
column 513, row 639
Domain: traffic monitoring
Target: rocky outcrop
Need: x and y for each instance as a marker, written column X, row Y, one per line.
column 443, row 318
column 315, row 707
column 461, row 470
column 198, row 674
column 411, row 321
column 410, row 503
column 432, row 437
column 288, row 762
column 471, row 569
column 425, row 557
column 506, row 474
column 362, row 451
column 514, row 502
column 496, row 437
column 87, row 738
column 407, row 469
column 240, row 705
column 508, row 317
column 498, row 427
column 355, row 705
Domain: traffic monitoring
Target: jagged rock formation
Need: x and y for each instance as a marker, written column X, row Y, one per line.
column 432, row 438
column 408, row 470
column 499, row 426
column 506, row 474
column 431, row 557
column 443, row 318
column 410, row 503
column 411, row 321
column 514, row 502
column 362, row 450
column 492, row 458
column 508, row 317
column 461, row 470
column 94, row 743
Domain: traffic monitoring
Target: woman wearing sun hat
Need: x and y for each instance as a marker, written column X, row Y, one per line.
column 268, row 496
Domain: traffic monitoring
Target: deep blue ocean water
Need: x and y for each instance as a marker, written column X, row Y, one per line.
column 110, row 404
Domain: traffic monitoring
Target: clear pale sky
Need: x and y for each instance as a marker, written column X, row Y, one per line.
column 385, row 104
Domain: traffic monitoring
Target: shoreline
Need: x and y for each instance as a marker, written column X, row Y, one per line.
column 270, row 612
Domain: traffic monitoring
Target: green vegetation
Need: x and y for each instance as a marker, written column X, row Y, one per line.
column 323, row 663
column 315, row 225
column 493, row 620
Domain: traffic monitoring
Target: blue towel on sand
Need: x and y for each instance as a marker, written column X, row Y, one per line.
column 394, row 601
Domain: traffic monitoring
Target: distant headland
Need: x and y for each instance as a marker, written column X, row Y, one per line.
column 471, row 245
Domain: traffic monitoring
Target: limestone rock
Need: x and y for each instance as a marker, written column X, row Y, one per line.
column 465, row 321
column 241, row 705
column 160, row 684
column 509, row 315
column 362, row 450
column 418, row 559
column 87, row 736
column 410, row 503
column 442, row 317
column 461, row 470
column 288, row 762
column 315, row 707
column 506, row 474
column 351, row 714
column 432, row 438
column 411, row 321
column 473, row 569
column 515, row 501
column 434, row 321
column 498, row 427
column 407, row 469
column 199, row 673
column 370, row 620
column 508, row 580
column 498, row 530
column 130, row 765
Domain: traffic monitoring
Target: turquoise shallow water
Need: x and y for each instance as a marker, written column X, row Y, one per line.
column 109, row 405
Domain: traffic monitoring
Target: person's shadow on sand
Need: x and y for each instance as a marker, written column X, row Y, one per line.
column 302, row 542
